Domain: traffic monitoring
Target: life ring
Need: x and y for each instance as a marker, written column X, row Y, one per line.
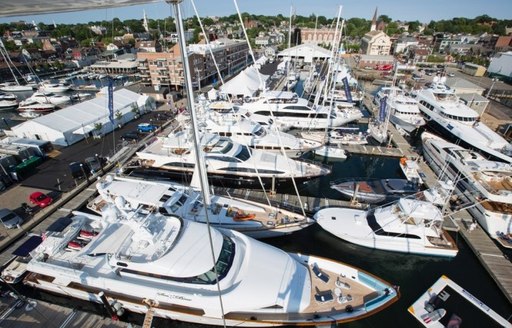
column 403, row 160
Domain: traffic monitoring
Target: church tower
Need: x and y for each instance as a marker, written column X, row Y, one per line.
column 373, row 27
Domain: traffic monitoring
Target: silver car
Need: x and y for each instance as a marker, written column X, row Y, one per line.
column 10, row 219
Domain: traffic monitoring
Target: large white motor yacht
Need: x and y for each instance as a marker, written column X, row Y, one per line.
column 288, row 110
column 183, row 270
column 484, row 186
column 50, row 98
column 447, row 115
column 227, row 161
column 404, row 110
column 252, row 218
column 224, row 119
column 409, row 226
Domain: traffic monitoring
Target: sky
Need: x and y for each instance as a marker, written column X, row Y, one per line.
column 407, row 10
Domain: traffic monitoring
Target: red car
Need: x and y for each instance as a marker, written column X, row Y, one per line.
column 40, row 199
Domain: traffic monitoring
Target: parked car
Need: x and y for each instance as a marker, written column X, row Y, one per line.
column 130, row 136
column 78, row 170
column 146, row 127
column 40, row 199
column 9, row 219
column 94, row 164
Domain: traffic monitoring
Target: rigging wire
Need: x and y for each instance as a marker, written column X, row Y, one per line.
column 288, row 161
column 190, row 99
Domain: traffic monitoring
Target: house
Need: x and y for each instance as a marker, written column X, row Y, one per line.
column 376, row 43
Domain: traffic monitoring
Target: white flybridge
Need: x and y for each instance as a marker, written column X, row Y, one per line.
column 288, row 110
column 484, row 186
column 447, row 115
column 252, row 218
column 144, row 260
column 224, row 119
column 408, row 226
column 404, row 110
column 228, row 162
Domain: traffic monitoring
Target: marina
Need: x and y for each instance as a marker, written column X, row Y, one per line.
column 109, row 246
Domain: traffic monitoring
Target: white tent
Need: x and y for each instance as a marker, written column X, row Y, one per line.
column 245, row 84
column 72, row 124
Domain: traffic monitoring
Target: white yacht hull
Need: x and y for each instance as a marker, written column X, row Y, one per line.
column 491, row 222
column 351, row 225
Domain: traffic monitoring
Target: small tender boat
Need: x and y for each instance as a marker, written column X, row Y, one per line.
column 377, row 190
column 446, row 304
column 411, row 170
column 330, row 152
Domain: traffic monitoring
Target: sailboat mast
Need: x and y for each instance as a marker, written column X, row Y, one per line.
column 201, row 169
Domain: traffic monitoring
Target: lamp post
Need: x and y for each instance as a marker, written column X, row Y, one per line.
column 100, row 163
column 83, row 171
column 487, row 95
column 492, row 86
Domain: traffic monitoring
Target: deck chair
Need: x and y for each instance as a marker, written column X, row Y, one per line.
column 321, row 275
column 325, row 296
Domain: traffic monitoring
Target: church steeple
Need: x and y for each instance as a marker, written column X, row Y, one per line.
column 373, row 27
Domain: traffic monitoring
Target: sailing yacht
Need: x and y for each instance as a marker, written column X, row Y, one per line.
column 227, row 161
column 289, row 110
column 404, row 110
column 150, row 262
column 448, row 116
column 409, row 226
column 252, row 218
column 485, row 186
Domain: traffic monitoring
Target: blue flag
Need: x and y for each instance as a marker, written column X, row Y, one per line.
column 382, row 109
column 348, row 95
column 111, row 101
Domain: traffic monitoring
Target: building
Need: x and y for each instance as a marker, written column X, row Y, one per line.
column 405, row 42
column 375, row 61
column 305, row 54
column 501, row 66
column 376, row 43
column 474, row 69
column 124, row 64
column 322, row 36
column 85, row 120
column 463, row 86
column 166, row 68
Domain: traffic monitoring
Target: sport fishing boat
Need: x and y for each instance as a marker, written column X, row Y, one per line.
column 31, row 108
column 227, row 161
column 376, row 191
column 252, row 218
column 408, row 226
column 50, row 98
column 484, row 186
column 147, row 262
column 457, row 122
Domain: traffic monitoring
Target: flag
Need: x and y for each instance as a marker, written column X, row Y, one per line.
column 382, row 109
column 348, row 95
column 111, row 101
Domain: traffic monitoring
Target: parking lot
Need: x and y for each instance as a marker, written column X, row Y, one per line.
column 54, row 176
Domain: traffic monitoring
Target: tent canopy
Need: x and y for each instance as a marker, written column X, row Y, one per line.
column 246, row 83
